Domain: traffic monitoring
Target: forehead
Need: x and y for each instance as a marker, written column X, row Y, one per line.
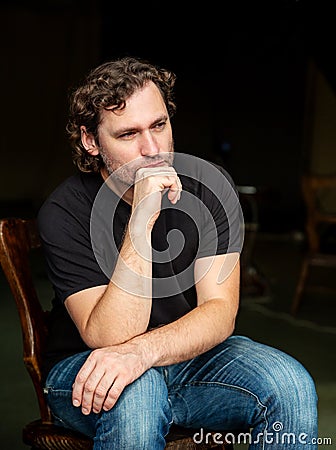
column 144, row 105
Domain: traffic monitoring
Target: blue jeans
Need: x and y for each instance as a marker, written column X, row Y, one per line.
column 239, row 384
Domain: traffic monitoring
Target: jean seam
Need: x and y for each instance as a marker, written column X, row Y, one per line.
column 171, row 411
column 166, row 375
column 232, row 386
column 51, row 390
column 56, row 417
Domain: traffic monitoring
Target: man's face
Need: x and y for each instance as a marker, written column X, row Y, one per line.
column 137, row 136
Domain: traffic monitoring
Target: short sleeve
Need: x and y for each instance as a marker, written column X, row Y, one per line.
column 222, row 229
column 64, row 227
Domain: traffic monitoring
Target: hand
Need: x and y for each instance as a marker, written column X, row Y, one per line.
column 150, row 184
column 104, row 375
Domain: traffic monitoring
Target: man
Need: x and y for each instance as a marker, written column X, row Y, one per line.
column 141, row 328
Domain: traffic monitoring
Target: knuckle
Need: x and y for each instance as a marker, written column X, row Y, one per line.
column 92, row 357
column 94, row 354
column 100, row 392
column 89, row 387
column 151, row 179
column 81, row 377
column 106, row 359
column 113, row 394
column 123, row 373
column 116, row 390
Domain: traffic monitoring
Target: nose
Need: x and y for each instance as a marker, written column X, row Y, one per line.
column 149, row 145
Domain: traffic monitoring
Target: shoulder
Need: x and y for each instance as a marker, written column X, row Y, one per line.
column 200, row 176
column 71, row 201
column 81, row 186
column 215, row 173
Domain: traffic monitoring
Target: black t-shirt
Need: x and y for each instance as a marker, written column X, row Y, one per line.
column 82, row 225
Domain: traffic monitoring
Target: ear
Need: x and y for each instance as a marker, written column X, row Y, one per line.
column 89, row 142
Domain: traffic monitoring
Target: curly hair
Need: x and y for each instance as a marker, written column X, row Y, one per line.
column 108, row 87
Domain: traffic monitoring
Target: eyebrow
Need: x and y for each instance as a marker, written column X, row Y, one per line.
column 124, row 130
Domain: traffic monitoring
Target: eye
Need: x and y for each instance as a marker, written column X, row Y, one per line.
column 160, row 125
column 127, row 135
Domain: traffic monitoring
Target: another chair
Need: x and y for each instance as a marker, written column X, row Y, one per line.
column 17, row 238
column 252, row 281
column 315, row 189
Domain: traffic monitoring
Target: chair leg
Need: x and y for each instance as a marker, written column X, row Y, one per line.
column 228, row 447
column 300, row 287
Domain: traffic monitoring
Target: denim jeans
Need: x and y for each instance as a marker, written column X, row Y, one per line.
column 239, row 384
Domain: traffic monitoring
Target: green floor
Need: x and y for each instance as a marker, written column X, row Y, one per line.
column 311, row 337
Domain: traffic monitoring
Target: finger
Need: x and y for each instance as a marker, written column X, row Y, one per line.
column 167, row 183
column 145, row 172
column 78, row 386
column 101, row 392
column 173, row 195
column 175, row 190
column 114, row 393
column 89, row 389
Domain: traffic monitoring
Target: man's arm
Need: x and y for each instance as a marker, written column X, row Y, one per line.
column 110, row 315
column 116, row 313
column 108, row 370
column 210, row 323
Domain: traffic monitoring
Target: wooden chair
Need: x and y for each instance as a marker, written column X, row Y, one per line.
column 17, row 238
column 317, row 219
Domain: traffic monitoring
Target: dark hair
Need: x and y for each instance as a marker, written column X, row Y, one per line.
column 110, row 84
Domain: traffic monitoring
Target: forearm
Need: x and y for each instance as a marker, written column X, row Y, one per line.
column 193, row 334
column 196, row 332
column 123, row 311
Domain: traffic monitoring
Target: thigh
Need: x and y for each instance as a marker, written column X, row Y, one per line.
column 142, row 412
column 58, row 389
column 239, row 384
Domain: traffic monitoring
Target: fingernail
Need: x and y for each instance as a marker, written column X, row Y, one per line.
column 76, row 403
column 85, row 411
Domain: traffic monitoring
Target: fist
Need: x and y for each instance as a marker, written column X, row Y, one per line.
column 150, row 185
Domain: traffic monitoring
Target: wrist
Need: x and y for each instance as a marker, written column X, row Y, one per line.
column 140, row 227
column 141, row 222
column 145, row 349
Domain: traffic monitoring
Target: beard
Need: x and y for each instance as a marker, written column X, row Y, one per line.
column 125, row 172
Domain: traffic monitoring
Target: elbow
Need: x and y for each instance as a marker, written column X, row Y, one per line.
column 94, row 341
column 226, row 330
column 98, row 338
column 231, row 327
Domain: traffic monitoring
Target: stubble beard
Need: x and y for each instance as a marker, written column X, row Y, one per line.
column 125, row 173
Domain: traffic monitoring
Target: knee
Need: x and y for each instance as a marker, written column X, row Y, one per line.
column 293, row 400
column 294, row 380
column 140, row 429
column 290, row 384
column 140, row 419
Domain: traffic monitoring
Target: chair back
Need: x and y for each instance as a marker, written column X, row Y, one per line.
column 313, row 188
column 18, row 237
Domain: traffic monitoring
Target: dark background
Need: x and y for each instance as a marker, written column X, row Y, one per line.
column 255, row 92
column 241, row 87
